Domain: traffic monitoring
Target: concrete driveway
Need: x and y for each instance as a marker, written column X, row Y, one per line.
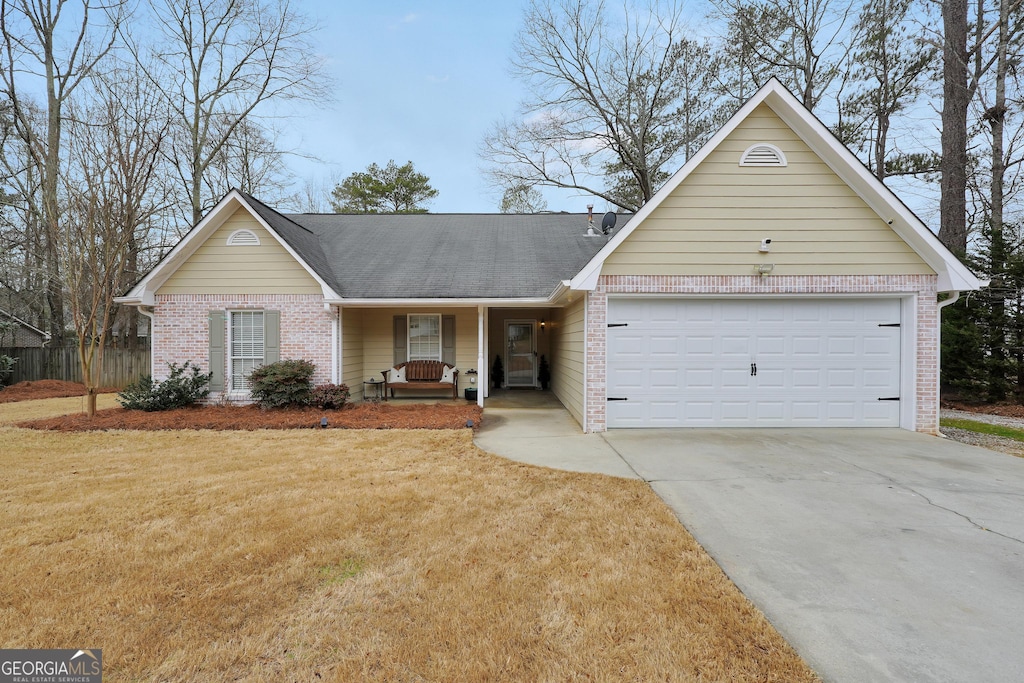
column 881, row 555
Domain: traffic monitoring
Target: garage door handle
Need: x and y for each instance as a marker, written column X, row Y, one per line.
column 890, row 398
column 753, row 369
column 617, row 398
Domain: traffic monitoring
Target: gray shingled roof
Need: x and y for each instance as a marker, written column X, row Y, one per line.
column 414, row 256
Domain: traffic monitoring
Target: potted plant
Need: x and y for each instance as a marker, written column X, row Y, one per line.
column 497, row 373
column 544, row 373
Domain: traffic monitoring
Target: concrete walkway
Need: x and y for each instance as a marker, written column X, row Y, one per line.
column 548, row 437
column 879, row 554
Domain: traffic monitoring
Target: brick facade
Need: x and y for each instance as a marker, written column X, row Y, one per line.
column 926, row 324
column 180, row 328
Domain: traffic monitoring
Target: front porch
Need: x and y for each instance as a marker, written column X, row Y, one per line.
column 505, row 353
column 499, row 399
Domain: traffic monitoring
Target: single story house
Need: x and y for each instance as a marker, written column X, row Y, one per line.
column 16, row 333
column 772, row 281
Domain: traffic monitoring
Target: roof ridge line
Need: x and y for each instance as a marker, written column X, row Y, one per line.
column 249, row 197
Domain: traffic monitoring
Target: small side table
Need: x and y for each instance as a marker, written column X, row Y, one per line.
column 376, row 393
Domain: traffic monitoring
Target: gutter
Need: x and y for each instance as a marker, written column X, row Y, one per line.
column 378, row 303
column 152, row 336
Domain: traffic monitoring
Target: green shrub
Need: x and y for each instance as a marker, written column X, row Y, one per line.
column 329, row 396
column 184, row 387
column 6, row 368
column 284, row 383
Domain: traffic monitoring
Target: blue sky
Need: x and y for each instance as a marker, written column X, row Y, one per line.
column 420, row 82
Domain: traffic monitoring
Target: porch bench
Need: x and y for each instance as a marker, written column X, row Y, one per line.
column 422, row 374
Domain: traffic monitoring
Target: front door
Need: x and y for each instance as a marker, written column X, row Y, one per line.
column 521, row 352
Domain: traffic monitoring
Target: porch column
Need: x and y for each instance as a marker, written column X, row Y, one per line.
column 484, row 371
column 481, row 357
column 336, row 332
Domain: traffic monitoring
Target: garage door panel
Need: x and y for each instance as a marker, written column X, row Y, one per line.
column 687, row 362
column 732, row 346
column 806, row 411
column 881, row 345
column 771, row 346
column 735, row 410
column 734, row 378
column 665, row 378
column 769, row 379
column 807, row 378
column 770, row 411
column 664, row 346
column 699, row 378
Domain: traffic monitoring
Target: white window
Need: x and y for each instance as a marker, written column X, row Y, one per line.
column 424, row 337
column 247, row 336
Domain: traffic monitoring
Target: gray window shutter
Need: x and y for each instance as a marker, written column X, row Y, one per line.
column 401, row 339
column 217, row 350
column 271, row 336
column 448, row 339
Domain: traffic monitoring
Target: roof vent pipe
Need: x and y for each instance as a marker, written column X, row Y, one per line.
column 590, row 221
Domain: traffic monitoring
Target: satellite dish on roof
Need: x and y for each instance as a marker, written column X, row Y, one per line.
column 608, row 222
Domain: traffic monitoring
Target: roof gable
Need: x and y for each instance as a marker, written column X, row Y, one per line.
column 715, row 221
column 144, row 292
column 819, row 140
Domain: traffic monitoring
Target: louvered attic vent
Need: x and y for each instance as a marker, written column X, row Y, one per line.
column 763, row 154
column 243, row 238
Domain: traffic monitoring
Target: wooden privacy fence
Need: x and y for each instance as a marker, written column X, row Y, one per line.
column 121, row 367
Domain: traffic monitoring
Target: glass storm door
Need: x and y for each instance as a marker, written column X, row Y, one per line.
column 521, row 367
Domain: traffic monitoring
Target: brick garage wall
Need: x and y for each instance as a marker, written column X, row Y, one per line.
column 180, row 328
column 927, row 324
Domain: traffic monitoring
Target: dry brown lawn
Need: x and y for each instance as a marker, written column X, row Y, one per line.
column 357, row 555
column 49, row 407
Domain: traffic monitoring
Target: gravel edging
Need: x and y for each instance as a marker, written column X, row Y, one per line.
column 989, row 441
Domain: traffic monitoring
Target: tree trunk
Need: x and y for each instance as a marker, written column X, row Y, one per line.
column 956, row 98
column 998, row 324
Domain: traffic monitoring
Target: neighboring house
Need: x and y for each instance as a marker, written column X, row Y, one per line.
column 16, row 333
column 772, row 281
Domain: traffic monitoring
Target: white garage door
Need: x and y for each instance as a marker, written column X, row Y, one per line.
column 767, row 363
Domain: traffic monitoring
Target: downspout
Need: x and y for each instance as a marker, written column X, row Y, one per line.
column 151, row 314
column 954, row 296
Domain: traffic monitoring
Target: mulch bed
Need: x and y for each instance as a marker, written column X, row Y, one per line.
column 45, row 388
column 1004, row 409
column 355, row 416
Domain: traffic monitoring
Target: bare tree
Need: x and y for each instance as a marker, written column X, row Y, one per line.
column 956, row 99
column 39, row 46
column 22, row 237
column 523, row 199
column 248, row 160
column 889, row 64
column 965, row 63
column 801, row 42
column 613, row 100
column 113, row 194
column 222, row 64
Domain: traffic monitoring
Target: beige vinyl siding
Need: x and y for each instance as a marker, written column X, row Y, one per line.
column 713, row 223
column 378, row 329
column 216, row 268
column 567, row 357
column 352, row 371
